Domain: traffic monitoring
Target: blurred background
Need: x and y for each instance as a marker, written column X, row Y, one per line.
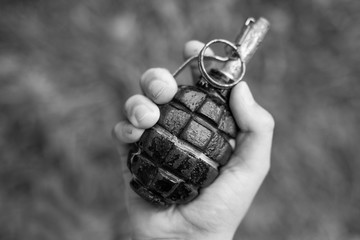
column 66, row 68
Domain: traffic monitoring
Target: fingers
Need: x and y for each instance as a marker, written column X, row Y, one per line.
column 141, row 111
column 125, row 132
column 141, row 114
column 193, row 48
column 159, row 85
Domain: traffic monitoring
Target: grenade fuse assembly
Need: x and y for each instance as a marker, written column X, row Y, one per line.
column 195, row 134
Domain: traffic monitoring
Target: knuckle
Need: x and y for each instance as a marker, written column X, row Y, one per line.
column 268, row 122
column 156, row 81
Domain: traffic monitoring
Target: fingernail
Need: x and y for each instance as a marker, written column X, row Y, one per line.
column 246, row 94
column 128, row 129
column 140, row 112
column 156, row 87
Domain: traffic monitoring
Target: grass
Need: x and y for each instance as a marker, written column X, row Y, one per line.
column 66, row 68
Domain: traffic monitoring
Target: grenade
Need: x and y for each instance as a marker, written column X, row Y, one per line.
column 195, row 134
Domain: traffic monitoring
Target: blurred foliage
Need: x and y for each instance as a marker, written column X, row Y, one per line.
column 66, row 68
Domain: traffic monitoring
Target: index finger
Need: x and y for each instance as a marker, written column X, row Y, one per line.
column 159, row 85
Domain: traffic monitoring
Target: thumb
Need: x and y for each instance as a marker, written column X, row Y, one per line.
column 253, row 145
column 242, row 176
column 234, row 189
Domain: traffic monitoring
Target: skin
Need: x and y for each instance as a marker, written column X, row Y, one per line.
column 219, row 209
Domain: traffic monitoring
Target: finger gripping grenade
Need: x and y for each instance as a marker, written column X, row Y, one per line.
column 195, row 134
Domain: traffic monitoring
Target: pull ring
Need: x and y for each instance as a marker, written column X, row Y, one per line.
column 209, row 78
column 239, row 52
column 201, row 57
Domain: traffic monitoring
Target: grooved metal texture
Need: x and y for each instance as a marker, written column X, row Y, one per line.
column 182, row 153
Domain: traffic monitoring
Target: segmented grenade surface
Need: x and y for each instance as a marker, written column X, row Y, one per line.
column 183, row 151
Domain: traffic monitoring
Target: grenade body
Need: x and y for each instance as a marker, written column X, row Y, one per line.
column 193, row 138
column 183, row 152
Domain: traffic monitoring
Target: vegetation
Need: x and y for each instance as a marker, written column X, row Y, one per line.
column 66, row 68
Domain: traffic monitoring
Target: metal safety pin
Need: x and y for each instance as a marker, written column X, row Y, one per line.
column 239, row 52
column 192, row 58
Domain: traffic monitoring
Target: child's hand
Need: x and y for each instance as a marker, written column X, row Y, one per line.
column 219, row 209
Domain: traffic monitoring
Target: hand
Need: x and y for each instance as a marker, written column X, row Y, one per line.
column 219, row 209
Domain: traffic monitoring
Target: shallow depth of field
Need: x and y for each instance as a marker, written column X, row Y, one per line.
column 66, row 68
